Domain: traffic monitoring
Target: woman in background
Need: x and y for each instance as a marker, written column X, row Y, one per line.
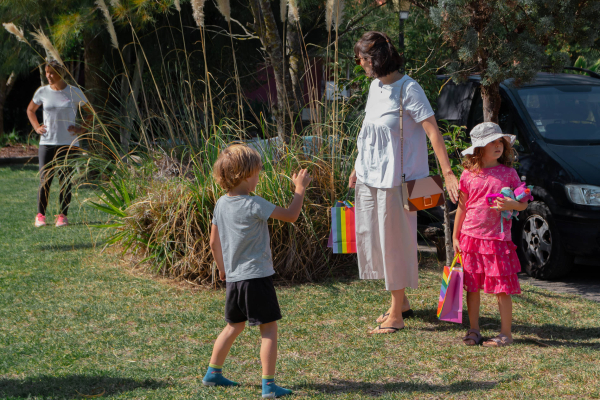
column 58, row 137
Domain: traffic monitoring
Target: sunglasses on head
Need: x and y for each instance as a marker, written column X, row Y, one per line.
column 358, row 58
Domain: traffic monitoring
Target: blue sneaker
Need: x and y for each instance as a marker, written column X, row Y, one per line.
column 214, row 377
column 271, row 391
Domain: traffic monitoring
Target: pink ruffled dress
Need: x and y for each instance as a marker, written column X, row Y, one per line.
column 489, row 256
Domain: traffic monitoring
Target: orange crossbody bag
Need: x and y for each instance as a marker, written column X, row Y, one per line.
column 419, row 194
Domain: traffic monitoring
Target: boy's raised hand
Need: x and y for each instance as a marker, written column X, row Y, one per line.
column 301, row 180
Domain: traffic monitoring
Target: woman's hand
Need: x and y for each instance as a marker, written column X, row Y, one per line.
column 456, row 245
column 75, row 130
column 352, row 180
column 451, row 185
column 41, row 130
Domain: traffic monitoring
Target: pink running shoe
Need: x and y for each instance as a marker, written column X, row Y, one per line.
column 40, row 220
column 61, row 220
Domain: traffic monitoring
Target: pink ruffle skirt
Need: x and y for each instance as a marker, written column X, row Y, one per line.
column 491, row 265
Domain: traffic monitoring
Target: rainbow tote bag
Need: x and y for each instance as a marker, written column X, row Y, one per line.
column 342, row 238
column 451, row 293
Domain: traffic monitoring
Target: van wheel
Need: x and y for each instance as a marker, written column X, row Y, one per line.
column 538, row 244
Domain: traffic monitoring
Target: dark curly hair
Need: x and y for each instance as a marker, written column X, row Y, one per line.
column 379, row 48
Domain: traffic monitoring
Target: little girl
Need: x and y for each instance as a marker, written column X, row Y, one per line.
column 488, row 254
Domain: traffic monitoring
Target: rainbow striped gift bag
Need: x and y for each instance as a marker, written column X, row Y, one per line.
column 451, row 293
column 342, row 238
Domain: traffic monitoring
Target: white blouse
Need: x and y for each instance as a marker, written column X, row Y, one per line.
column 60, row 111
column 378, row 162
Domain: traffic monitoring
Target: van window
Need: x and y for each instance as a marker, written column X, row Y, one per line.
column 567, row 114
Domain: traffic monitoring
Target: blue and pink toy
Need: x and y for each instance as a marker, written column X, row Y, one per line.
column 521, row 193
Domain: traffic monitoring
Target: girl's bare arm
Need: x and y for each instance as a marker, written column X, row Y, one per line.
column 459, row 218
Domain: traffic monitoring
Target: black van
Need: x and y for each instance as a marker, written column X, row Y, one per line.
column 556, row 119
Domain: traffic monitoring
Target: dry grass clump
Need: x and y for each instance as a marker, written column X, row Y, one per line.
column 167, row 226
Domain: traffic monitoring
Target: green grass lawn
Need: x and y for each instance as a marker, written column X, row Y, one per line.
column 75, row 322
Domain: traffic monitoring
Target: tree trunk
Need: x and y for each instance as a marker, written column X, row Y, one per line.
column 268, row 32
column 294, row 49
column 448, row 235
column 129, row 95
column 96, row 87
column 6, row 85
column 296, row 66
column 491, row 102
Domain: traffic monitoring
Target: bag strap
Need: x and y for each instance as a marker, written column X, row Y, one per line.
column 348, row 194
column 402, row 131
column 457, row 257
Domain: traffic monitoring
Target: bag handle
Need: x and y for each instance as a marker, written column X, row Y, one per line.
column 348, row 194
column 457, row 257
column 401, row 111
column 402, row 138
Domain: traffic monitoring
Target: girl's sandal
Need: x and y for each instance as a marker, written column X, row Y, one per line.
column 499, row 341
column 474, row 336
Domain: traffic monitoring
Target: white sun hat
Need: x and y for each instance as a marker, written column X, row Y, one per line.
column 485, row 133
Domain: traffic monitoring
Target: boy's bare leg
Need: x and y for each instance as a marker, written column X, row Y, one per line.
column 268, row 347
column 225, row 341
column 214, row 374
column 268, row 358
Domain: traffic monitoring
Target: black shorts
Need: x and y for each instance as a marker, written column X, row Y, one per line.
column 252, row 300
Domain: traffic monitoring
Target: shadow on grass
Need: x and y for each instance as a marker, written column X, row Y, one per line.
column 379, row 389
column 72, row 386
column 545, row 334
column 68, row 247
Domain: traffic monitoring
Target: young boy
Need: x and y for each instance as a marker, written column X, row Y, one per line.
column 240, row 244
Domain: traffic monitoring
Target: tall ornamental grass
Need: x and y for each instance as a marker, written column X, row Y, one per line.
column 157, row 188
column 162, row 210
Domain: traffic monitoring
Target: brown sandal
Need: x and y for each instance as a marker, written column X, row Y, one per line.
column 476, row 340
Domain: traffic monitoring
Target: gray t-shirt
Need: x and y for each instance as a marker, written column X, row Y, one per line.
column 244, row 234
column 60, row 111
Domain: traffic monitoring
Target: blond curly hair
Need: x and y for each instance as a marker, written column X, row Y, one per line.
column 236, row 163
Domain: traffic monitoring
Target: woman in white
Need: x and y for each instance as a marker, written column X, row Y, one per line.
column 386, row 234
column 58, row 137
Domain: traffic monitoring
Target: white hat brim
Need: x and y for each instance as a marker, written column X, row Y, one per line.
column 471, row 150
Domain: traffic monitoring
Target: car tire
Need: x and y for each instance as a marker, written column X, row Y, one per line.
column 538, row 243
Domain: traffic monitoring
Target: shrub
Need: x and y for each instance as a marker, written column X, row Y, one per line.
column 163, row 209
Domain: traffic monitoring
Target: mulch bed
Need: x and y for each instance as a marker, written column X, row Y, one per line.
column 19, row 150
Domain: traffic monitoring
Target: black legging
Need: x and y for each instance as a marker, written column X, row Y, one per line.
column 48, row 154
